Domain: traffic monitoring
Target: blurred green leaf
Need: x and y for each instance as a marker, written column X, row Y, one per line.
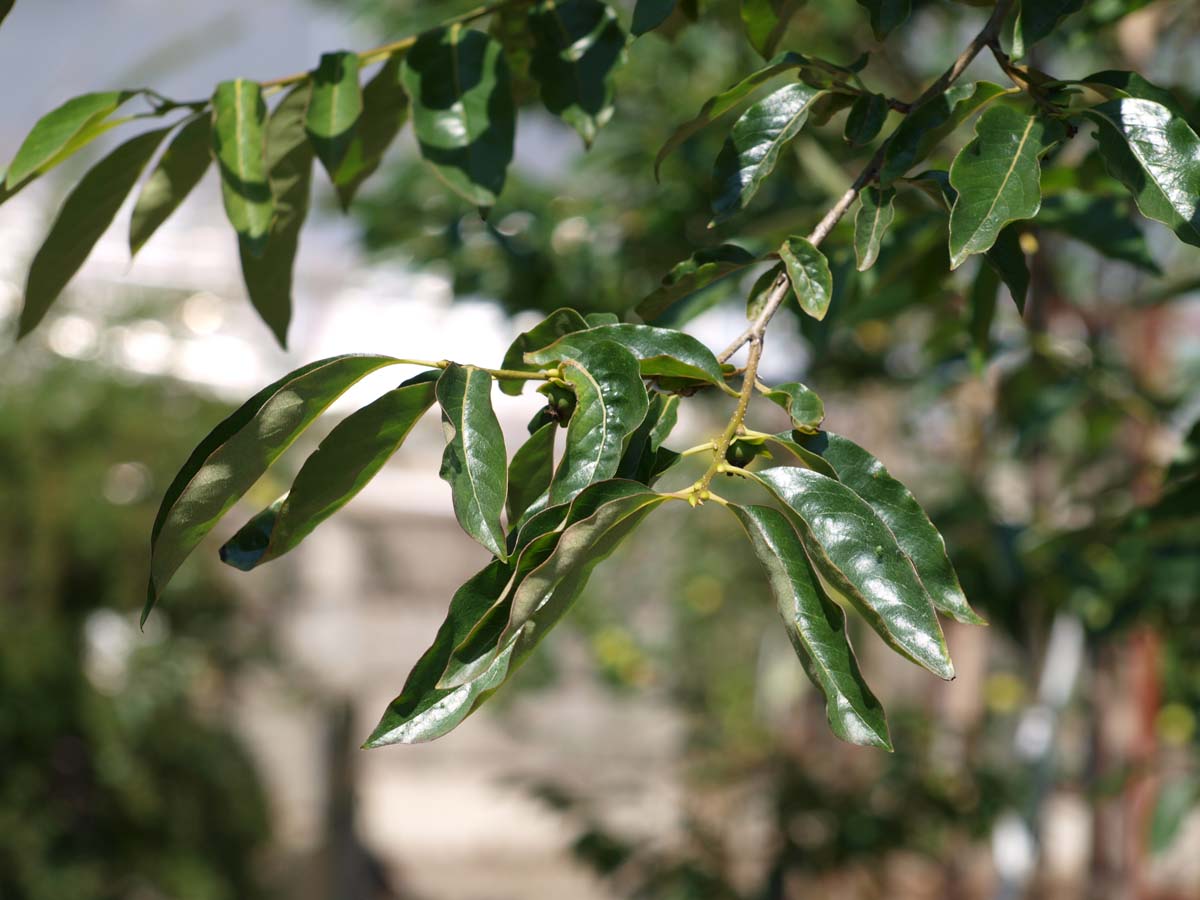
column 384, row 112
column 698, row 271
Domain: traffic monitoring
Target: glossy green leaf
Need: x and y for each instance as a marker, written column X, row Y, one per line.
column 857, row 554
column 649, row 14
column 267, row 265
column 887, row 15
column 802, row 404
column 474, row 463
column 1156, row 155
column 1038, row 18
column 752, row 149
column 530, row 471
column 928, row 125
column 559, row 323
column 85, row 215
column 876, row 212
column 998, row 178
column 180, row 169
column 237, row 452
column 578, row 47
column 660, row 351
column 610, row 404
column 698, row 271
column 765, row 22
column 808, row 270
column 790, row 441
column 239, row 145
column 816, row 626
column 899, row 510
column 1007, row 259
column 866, row 118
column 335, row 107
column 384, row 112
column 760, row 291
column 1115, row 84
column 55, row 131
column 640, row 460
column 723, row 102
column 462, row 110
column 340, row 467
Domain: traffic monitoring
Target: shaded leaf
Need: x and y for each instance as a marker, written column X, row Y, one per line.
column 816, row 627
column 886, row 15
column 180, row 169
column 765, row 22
column 876, row 213
column 335, row 107
column 640, row 460
column 1007, row 259
column 649, row 14
column 1100, row 222
column 866, row 118
column 760, row 291
column 790, row 441
column 530, row 471
column 981, row 310
column 474, row 463
column 559, row 323
column 857, row 554
column 808, row 270
column 384, row 112
column 85, row 215
column 698, row 271
column 660, row 351
column 802, row 404
column 239, row 145
column 1037, row 20
column 59, row 129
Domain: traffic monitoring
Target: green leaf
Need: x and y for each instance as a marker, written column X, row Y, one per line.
column 857, row 554
column 816, row 626
column 179, row 170
column 85, row 215
column 1156, row 155
column 348, row 458
column 641, row 457
column 866, row 118
column 1115, row 84
column 1007, row 259
column 561, row 322
column 765, row 22
column 886, row 15
column 384, row 112
column 698, row 271
column 752, row 149
column 474, row 462
column 981, row 310
column 929, row 124
column 661, row 351
column 789, row 440
column 237, row 452
column 1176, row 799
column 876, row 212
column 998, row 178
column 899, row 510
column 59, row 129
column 649, row 14
column 610, row 404
column 335, row 108
column 239, row 145
column 530, row 471
column 601, row 318
column 802, row 404
column 462, row 108
column 808, row 270
column 1037, row 19
column 723, row 102
column 578, row 47
column 760, row 291
column 267, row 265
column 1100, row 222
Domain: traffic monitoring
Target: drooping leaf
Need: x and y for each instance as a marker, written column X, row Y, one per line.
column 929, row 124
column 530, row 471
column 899, row 510
column 887, row 15
column 462, row 110
column 760, row 291
column 578, row 47
column 1037, row 20
column 1007, row 259
column 660, row 351
column 816, row 626
column 1102, row 223
column 335, row 107
column 180, row 169
column 802, row 404
column 267, row 265
column 384, row 112
column 59, row 129
column 610, row 404
column 876, row 212
column 998, row 178
column 866, row 118
column 808, row 270
column 640, row 459
column 649, row 14
column 349, row 457
column 239, row 145
column 698, row 271
column 765, row 22
column 1156, row 155
column 752, row 149
column 85, row 215
column 981, row 310
column 474, row 463
column 559, row 323
column 857, row 554
column 237, row 452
